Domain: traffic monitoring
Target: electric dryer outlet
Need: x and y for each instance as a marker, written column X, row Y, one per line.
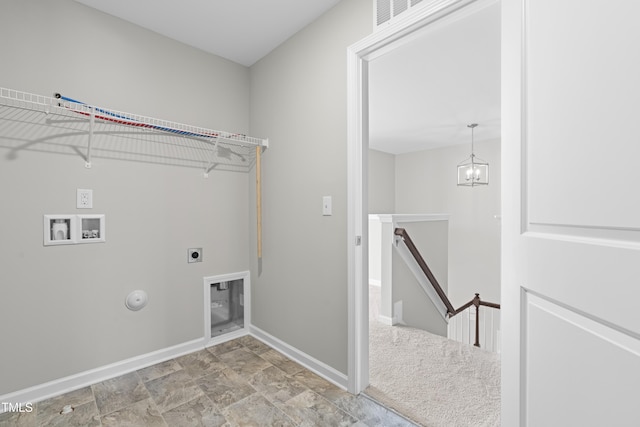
column 194, row 255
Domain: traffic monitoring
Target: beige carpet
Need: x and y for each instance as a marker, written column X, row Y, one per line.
column 434, row 381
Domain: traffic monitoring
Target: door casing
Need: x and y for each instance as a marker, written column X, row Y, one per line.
column 358, row 57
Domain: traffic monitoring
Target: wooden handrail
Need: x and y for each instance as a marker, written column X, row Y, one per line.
column 476, row 301
column 425, row 269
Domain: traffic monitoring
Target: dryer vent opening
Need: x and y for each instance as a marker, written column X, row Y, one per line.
column 227, row 307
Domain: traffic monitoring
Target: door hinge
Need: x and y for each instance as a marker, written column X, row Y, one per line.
column 358, row 240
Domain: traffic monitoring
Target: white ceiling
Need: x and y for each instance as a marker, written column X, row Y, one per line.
column 425, row 93
column 422, row 94
column 242, row 31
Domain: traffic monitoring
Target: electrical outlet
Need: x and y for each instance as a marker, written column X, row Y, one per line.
column 84, row 199
column 194, row 255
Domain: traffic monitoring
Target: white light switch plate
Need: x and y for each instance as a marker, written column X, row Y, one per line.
column 326, row 206
column 84, row 199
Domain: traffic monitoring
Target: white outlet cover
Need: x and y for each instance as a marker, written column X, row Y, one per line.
column 84, row 199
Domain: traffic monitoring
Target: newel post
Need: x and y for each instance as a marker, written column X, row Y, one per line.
column 476, row 303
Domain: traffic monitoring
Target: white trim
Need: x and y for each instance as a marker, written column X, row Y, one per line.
column 63, row 385
column 220, row 339
column 71, row 230
column 102, row 231
column 386, row 320
column 73, row 382
column 610, row 239
column 314, row 365
column 375, row 282
column 401, row 218
column 358, row 57
column 357, row 255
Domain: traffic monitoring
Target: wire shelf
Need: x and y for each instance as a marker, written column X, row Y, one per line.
column 64, row 126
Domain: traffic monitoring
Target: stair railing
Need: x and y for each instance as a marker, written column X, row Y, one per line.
column 451, row 311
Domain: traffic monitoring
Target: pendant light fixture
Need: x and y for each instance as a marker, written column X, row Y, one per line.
column 473, row 171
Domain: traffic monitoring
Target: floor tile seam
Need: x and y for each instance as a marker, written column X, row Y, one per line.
column 175, row 360
column 222, row 408
column 73, row 391
column 287, row 374
column 249, row 377
column 192, row 382
column 56, row 413
column 95, row 401
column 207, row 373
column 129, row 403
column 231, row 367
column 255, row 351
column 191, row 379
column 275, row 366
column 389, row 409
column 334, row 404
column 274, row 401
column 291, row 377
column 155, row 406
column 127, row 407
column 210, row 350
column 280, row 405
column 204, row 395
column 227, row 413
column 275, row 406
column 256, row 391
column 160, row 377
column 218, row 410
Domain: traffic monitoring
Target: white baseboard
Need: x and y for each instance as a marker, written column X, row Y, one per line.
column 221, row 339
column 73, row 382
column 386, row 320
column 64, row 385
column 322, row 369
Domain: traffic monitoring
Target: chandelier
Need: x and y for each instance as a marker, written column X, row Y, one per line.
column 473, row 170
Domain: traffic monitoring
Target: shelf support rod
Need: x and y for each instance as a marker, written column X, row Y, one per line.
column 212, row 164
column 259, row 198
column 92, row 121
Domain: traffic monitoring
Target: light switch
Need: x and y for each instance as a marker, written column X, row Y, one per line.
column 326, row 205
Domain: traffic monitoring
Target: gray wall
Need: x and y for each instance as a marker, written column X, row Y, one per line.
column 426, row 183
column 431, row 239
column 299, row 100
column 62, row 308
column 382, row 182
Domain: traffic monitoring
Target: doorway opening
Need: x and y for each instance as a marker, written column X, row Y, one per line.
column 430, row 98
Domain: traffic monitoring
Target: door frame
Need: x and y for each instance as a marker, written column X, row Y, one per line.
column 358, row 57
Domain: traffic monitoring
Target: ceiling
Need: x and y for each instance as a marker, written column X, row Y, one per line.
column 422, row 94
column 242, row 31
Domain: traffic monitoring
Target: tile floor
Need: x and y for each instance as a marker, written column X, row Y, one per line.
column 239, row 383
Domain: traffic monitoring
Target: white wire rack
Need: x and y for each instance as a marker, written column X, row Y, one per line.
column 58, row 125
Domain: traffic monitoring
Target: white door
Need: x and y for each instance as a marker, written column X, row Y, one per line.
column 571, row 213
